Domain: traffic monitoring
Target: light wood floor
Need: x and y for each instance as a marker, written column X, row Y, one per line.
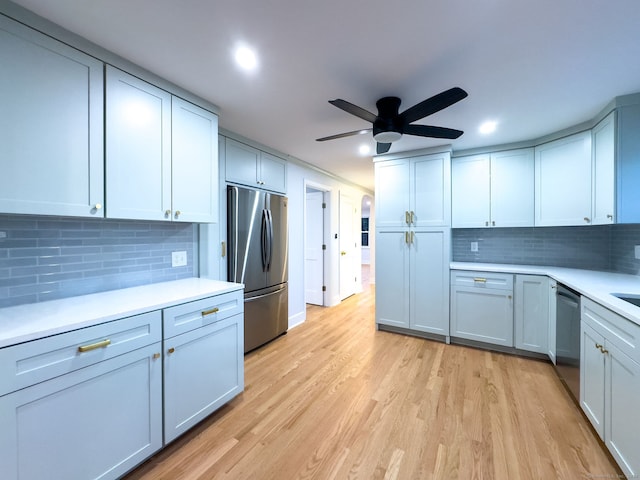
column 335, row 399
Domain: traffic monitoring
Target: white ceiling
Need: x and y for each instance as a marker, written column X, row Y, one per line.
column 535, row 67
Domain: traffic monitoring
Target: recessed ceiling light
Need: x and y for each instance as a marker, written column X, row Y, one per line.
column 488, row 127
column 364, row 149
column 246, row 58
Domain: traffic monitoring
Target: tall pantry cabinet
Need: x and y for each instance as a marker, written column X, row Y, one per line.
column 413, row 212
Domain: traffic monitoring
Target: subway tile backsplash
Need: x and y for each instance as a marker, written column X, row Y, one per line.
column 45, row 258
column 603, row 247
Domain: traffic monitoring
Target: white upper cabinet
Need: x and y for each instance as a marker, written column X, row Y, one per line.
column 563, row 181
column 194, row 161
column 493, row 189
column 138, row 144
column 414, row 192
column 161, row 154
column 51, row 126
column 604, row 156
column 252, row 167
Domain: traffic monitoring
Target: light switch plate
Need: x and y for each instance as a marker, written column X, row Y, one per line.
column 474, row 246
column 178, row 259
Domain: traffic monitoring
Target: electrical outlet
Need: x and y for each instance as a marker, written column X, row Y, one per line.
column 3, row 234
column 474, row 246
column 637, row 250
column 178, row 259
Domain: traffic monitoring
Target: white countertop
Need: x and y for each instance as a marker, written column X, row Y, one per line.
column 598, row 286
column 37, row 320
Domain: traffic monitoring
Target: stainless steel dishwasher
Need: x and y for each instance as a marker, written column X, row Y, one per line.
column 568, row 338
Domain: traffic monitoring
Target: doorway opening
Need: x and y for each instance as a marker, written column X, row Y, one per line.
column 367, row 241
column 316, row 226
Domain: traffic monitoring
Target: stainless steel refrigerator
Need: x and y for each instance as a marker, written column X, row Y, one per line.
column 258, row 257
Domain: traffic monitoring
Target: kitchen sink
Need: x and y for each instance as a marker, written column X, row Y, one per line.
column 632, row 299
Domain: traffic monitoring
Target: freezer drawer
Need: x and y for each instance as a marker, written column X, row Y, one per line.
column 266, row 316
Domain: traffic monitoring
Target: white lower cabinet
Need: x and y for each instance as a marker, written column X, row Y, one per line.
column 531, row 314
column 96, row 422
column 482, row 307
column 610, row 381
column 203, row 369
column 412, row 287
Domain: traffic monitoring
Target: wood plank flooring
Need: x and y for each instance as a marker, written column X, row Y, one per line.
column 336, row 399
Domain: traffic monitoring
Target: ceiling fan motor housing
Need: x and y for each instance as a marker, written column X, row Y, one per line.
column 387, row 127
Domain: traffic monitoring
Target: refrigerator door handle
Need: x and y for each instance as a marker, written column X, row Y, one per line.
column 233, row 227
column 270, row 240
column 264, row 234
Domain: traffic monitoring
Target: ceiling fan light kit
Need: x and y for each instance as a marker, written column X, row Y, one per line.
column 389, row 125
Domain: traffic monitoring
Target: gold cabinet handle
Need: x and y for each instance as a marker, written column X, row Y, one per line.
column 587, row 219
column 210, row 312
column 486, row 224
column 98, row 206
column 343, row 253
column 223, row 250
column 406, row 238
column 156, row 356
column 178, row 212
column 412, row 216
column 413, row 237
column 171, row 350
column 407, row 218
column 167, row 213
column 493, row 223
column 94, row 346
column 480, row 280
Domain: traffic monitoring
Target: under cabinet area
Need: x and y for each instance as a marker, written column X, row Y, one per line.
column 255, row 168
column 51, row 98
column 610, row 381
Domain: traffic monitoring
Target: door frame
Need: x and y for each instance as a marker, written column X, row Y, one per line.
column 326, row 234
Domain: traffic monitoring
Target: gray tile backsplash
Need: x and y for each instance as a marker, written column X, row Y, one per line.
column 603, row 247
column 44, row 258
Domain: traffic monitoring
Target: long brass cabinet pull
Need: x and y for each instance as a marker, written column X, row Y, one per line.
column 412, row 216
column 480, row 280
column 413, row 237
column 406, row 237
column 407, row 218
column 601, row 348
column 210, row 312
column 94, row 346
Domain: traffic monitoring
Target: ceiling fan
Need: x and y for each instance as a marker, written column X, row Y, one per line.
column 389, row 125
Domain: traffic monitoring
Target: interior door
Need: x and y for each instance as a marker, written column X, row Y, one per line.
column 348, row 257
column 313, row 256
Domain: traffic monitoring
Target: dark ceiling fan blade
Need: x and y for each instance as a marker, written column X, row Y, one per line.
column 430, row 131
column 354, row 110
column 432, row 105
column 346, row 134
column 382, row 148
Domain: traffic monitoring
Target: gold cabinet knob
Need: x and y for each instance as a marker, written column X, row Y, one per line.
column 177, row 213
column 343, row 253
column 98, row 206
column 167, row 213
column 156, row 356
column 171, row 350
column 587, row 219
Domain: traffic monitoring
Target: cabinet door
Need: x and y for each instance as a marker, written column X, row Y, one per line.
column 97, row 422
column 553, row 285
column 604, row 155
column 392, row 284
column 558, row 201
column 138, row 142
column 470, row 192
column 273, row 173
column 241, row 163
column 512, row 188
column 531, row 316
column 392, row 193
column 51, row 126
column 484, row 315
column 203, row 369
column 194, row 163
column 592, row 373
column 429, row 271
column 622, row 420
column 430, row 190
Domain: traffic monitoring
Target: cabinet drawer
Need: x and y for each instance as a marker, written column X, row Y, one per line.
column 501, row 281
column 33, row 362
column 188, row 316
column 621, row 332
